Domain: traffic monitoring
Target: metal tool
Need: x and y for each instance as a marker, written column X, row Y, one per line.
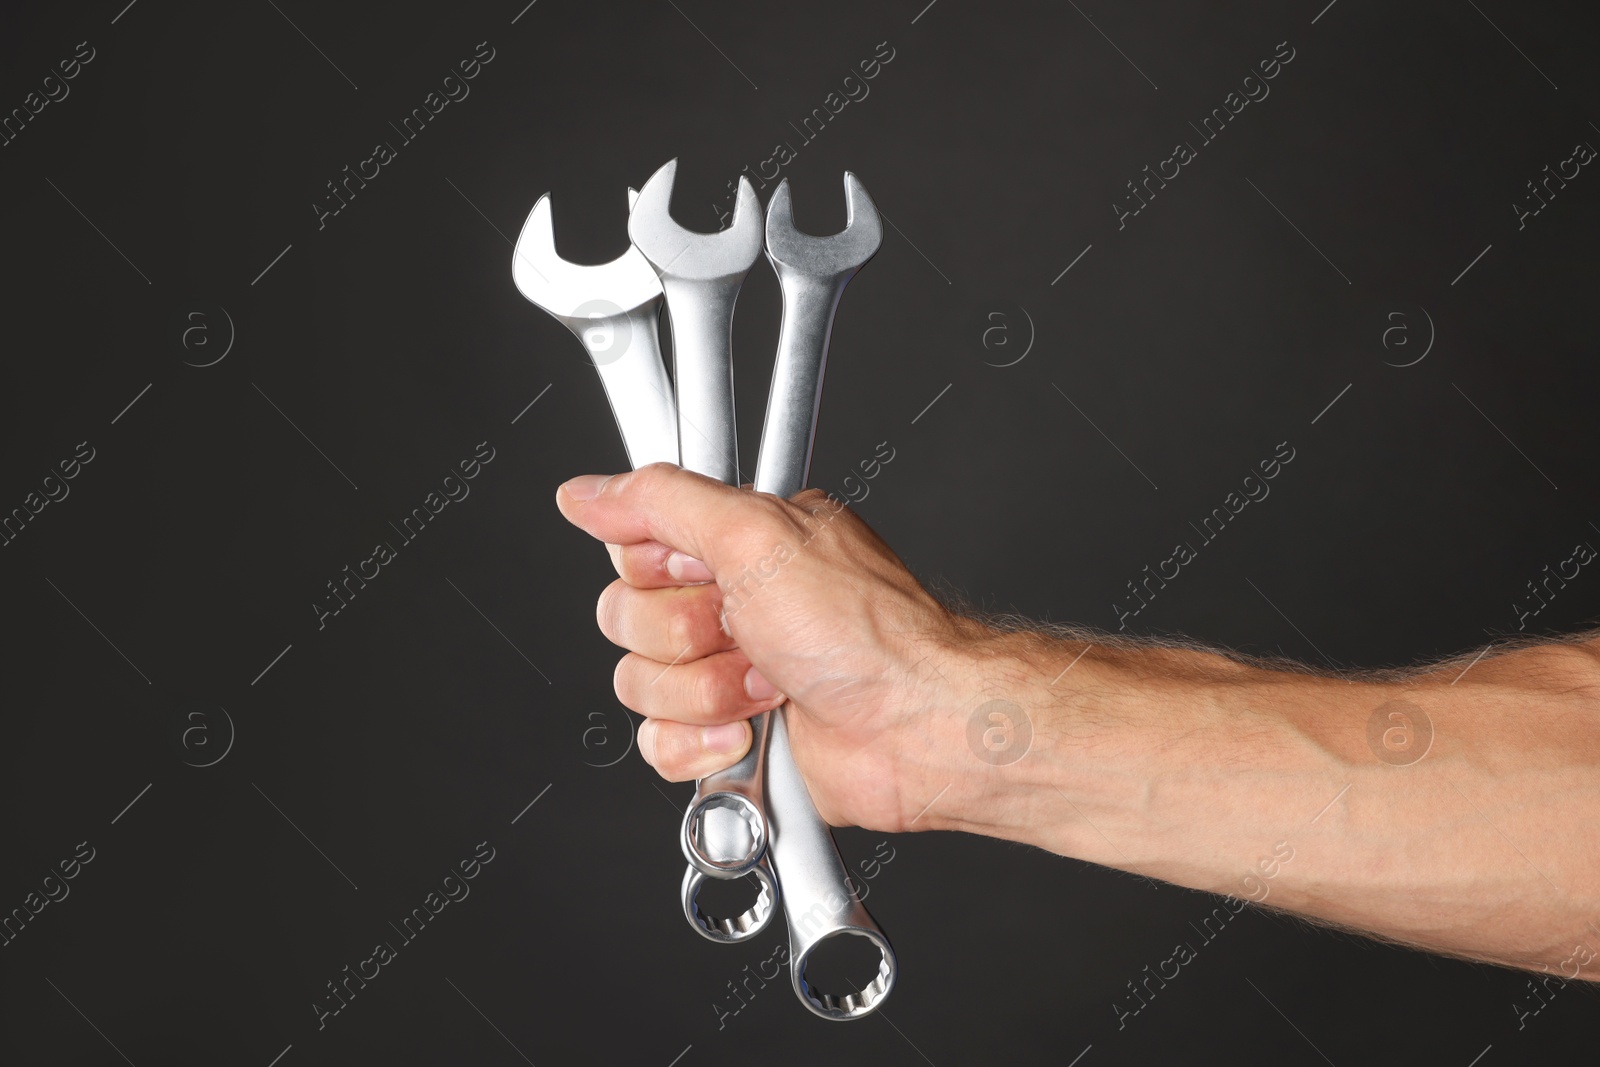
column 818, row 898
column 756, row 817
column 701, row 274
column 725, row 832
column 615, row 310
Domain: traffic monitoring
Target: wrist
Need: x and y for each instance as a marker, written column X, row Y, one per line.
column 1012, row 717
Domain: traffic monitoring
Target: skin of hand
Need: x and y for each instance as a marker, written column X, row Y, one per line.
column 715, row 579
column 1267, row 782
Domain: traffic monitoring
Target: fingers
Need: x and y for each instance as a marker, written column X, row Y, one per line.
column 717, row 689
column 685, row 568
column 680, row 752
column 653, row 565
column 679, row 624
column 700, row 516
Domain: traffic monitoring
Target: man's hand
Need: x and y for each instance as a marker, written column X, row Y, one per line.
column 731, row 602
column 1267, row 782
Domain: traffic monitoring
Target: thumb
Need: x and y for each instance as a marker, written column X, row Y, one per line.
column 699, row 516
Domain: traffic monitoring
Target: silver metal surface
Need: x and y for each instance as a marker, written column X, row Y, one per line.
column 740, row 927
column 756, row 817
column 818, row 898
column 813, row 272
column 723, row 836
column 701, row 275
column 724, row 831
column 615, row 310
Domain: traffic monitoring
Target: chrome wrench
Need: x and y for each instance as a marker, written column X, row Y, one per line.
column 701, row 275
column 818, row 897
column 615, row 310
column 728, row 829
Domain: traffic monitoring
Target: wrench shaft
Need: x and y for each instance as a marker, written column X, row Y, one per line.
column 796, row 394
column 636, row 384
column 702, row 347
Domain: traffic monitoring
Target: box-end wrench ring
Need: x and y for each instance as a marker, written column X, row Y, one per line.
column 740, row 927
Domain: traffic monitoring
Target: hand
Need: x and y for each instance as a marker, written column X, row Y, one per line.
column 732, row 601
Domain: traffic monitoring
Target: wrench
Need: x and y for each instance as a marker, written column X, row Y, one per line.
column 701, row 275
column 758, row 814
column 818, row 898
column 615, row 310
column 725, row 836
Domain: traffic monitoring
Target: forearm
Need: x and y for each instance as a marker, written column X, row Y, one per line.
column 1274, row 786
column 1184, row 765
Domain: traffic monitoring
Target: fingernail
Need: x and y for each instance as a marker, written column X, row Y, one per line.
column 647, row 741
column 722, row 740
column 586, row 487
column 685, row 568
column 757, row 686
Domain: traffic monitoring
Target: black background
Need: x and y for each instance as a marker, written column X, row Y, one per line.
column 469, row 679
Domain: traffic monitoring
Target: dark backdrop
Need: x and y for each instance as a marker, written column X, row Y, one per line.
column 174, row 710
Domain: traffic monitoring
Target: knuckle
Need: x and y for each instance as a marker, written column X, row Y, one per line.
column 719, row 689
column 695, row 628
column 772, row 512
column 704, row 692
column 693, row 691
column 813, row 499
column 681, row 627
column 650, row 478
column 758, row 525
column 807, row 515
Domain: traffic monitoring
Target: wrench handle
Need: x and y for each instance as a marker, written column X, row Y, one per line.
column 724, row 832
column 702, row 361
column 790, row 428
column 819, row 899
column 626, row 349
column 809, row 303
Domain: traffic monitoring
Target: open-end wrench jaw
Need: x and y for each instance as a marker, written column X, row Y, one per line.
column 615, row 310
column 562, row 288
column 843, row 253
column 813, row 272
column 701, row 274
column 684, row 254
